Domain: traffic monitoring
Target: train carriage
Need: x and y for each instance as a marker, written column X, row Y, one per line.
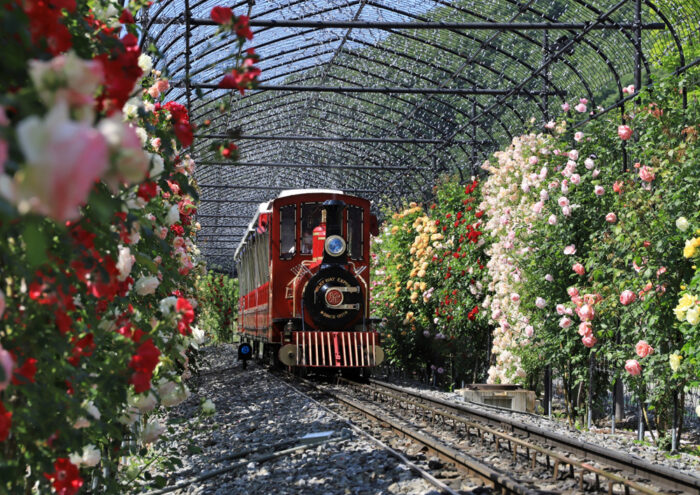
column 303, row 268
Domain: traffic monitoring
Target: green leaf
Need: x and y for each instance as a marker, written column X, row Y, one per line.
column 36, row 242
column 147, row 262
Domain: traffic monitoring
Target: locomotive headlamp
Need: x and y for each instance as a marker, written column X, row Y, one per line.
column 335, row 245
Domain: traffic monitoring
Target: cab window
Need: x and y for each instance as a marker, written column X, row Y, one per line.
column 288, row 227
column 310, row 219
column 355, row 232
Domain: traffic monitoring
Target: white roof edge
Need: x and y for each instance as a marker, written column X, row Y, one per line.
column 262, row 208
column 294, row 192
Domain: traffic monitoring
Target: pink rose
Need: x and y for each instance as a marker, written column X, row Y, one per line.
column 633, row 367
column 552, row 220
column 617, row 187
column 579, row 269
column 576, row 179
column 628, row 89
column 540, row 302
column 595, row 173
column 533, row 160
column 7, row 364
column 578, row 136
column 580, row 108
column 515, row 297
column 643, row 349
column 585, row 328
column 529, row 330
column 549, row 277
column 565, row 106
column 572, row 291
column 627, row 297
column 611, row 217
column 586, row 312
column 153, row 92
column 583, row 100
column 589, row 340
column 646, row 174
column 599, row 190
column 64, row 160
column 561, row 309
column 573, row 154
column 537, row 207
column 659, row 272
column 563, row 201
column 566, row 211
column 624, row 131
column 565, row 322
column 550, row 125
column 589, row 163
column 4, row 153
column 570, row 249
column 162, row 85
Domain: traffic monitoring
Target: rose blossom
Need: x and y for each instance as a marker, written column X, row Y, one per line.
column 575, row 178
column 529, row 330
column 646, row 174
column 144, row 402
column 90, row 456
column 125, row 262
column 540, row 302
column 599, row 190
column 681, row 223
column 589, row 163
column 595, row 173
column 589, row 340
column 611, row 217
column 643, row 349
column 573, row 155
column 515, row 297
column 146, row 285
column 566, row 211
column 633, row 367
column 572, row 291
column 579, row 269
column 552, row 220
column 533, row 160
column 624, row 131
column 64, row 159
column 549, row 277
column 585, row 328
column 7, row 364
column 580, row 108
column 563, row 201
column 570, row 249
column 617, row 187
column 565, row 322
column 173, row 215
column 627, row 297
column 152, row 431
column 578, row 136
column 565, row 106
column 561, row 309
column 586, row 312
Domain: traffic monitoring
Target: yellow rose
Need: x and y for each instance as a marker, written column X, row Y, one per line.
column 675, row 361
column 421, row 273
column 422, row 286
column 693, row 315
column 690, row 246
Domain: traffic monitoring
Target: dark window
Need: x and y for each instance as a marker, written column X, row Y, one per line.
column 310, row 219
column 288, row 231
column 355, row 232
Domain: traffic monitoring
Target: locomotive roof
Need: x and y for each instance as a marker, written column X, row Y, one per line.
column 294, row 192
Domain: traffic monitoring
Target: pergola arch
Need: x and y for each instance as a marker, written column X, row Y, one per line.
column 381, row 96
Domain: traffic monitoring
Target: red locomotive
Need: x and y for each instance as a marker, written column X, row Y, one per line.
column 303, row 269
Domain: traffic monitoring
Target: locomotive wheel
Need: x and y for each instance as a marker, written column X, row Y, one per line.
column 333, row 298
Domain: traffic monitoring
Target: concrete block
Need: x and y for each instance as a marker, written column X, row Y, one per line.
column 510, row 398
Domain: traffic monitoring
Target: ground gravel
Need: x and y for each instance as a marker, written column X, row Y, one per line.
column 256, row 409
column 624, row 441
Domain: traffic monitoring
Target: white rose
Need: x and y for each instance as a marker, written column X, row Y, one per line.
column 143, row 402
column 142, row 134
column 208, row 407
column 682, row 224
column 173, row 215
column 171, row 393
column 125, row 262
column 145, row 63
column 199, row 336
column 90, row 456
column 146, row 285
column 157, row 165
column 693, row 315
column 129, row 416
column 167, row 305
column 152, row 431
column 92, row 410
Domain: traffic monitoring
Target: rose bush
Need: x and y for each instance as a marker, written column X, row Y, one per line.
column 428, row 284
column 97, row 199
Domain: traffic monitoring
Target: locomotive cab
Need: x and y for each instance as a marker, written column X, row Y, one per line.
column 310, row 307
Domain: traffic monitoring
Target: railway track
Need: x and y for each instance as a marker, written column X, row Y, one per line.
column 593, row 468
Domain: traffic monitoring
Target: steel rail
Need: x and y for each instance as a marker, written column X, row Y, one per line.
column 662, row 475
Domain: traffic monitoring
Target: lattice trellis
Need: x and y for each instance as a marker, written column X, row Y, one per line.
column 379, row 97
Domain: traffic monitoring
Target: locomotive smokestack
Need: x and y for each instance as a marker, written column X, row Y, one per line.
column 335, row 251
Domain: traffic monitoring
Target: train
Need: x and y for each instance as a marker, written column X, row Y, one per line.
column 304, row 282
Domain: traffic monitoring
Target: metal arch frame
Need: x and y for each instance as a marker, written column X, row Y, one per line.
column 436, row 153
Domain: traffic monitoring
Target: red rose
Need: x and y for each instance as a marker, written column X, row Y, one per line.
column 5, row 422
column 221, row 15
column 66, row 478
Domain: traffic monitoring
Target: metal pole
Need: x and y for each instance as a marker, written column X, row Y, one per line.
column 640, row 426
column 321, row 166
column 348, row 139
column 545, row 82
column 591, row 372
column 637, row 46
column 674, row 429
column 368, row 89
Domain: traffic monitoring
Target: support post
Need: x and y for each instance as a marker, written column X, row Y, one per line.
column 640, row 424
column 637, row 46
column 548, row 390
column 545, row 81
column 674, row 429
column 591, row 376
